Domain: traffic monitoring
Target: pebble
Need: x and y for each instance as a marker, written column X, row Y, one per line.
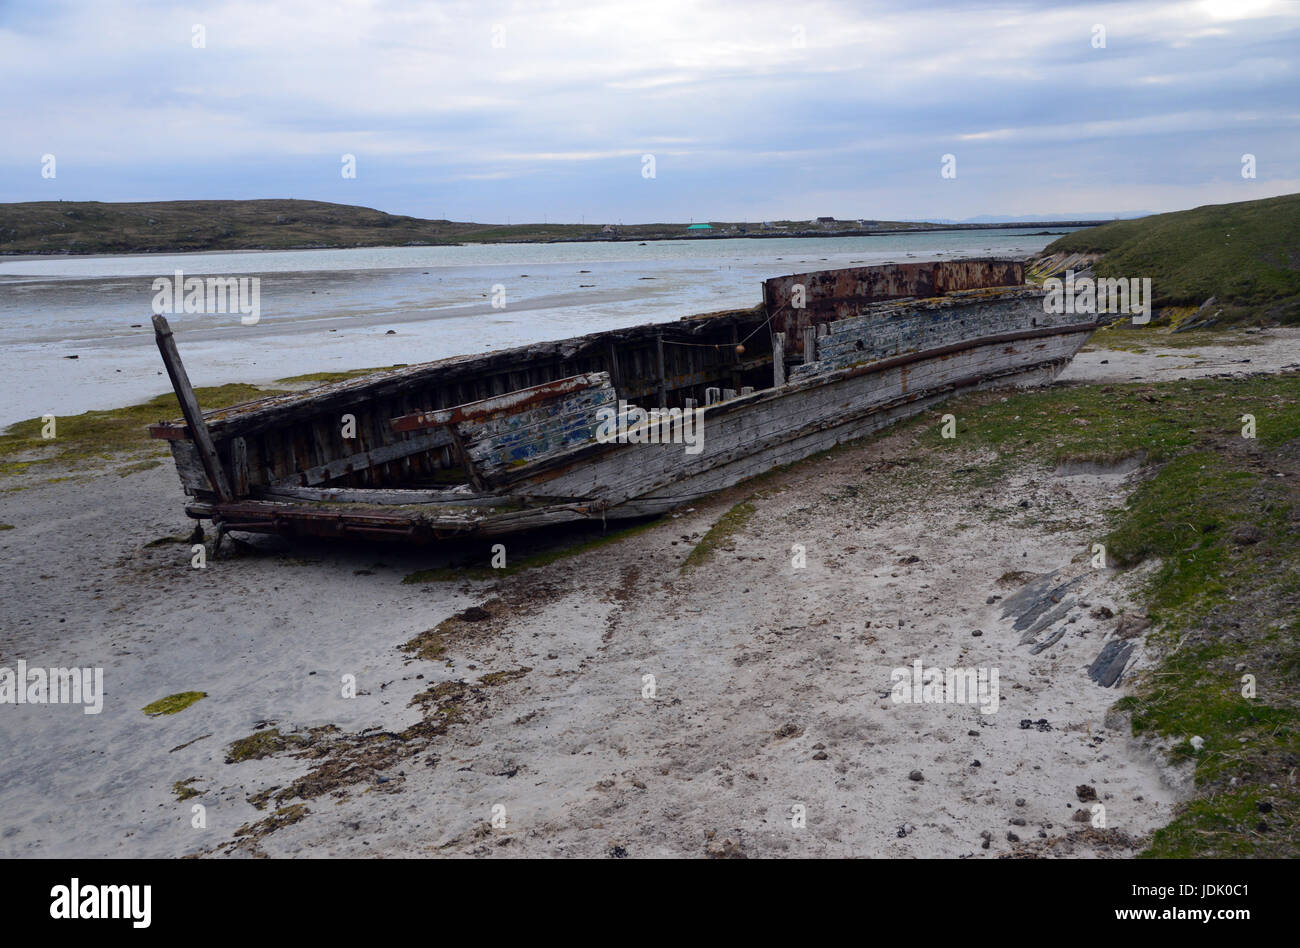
column 916, row 775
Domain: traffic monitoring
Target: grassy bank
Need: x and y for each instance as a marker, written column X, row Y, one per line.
column 1220, row 514
column 1245, row 255
column 95, row 439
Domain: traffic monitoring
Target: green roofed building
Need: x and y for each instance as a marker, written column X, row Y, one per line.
column 700, row 227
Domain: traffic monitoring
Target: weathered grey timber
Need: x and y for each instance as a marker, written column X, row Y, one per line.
column 625, row 423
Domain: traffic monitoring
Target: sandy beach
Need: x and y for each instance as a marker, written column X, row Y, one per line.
column 524, row 727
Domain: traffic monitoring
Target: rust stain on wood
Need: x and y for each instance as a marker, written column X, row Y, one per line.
column 831, row 295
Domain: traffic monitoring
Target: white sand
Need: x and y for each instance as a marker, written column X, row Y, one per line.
column 581, row 762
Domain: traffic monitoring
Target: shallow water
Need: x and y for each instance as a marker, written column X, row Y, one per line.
column 331, row 310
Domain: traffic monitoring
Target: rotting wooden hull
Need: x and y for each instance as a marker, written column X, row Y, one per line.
column 531, row 458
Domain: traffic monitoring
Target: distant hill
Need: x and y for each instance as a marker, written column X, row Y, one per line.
column 81, row 227
column 1245, row 255
column 93, row 227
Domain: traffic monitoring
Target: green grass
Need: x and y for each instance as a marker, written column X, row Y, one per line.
column 1246, row 255
column 325, row 377
column 262, row 744
column 173, row 704
column 1223, row 608
column 105, row 436
column 184, row 791
column 1126, row 337
column 1222, row 532
column 720, row 533
column 1184, row 516
column 1106, row 424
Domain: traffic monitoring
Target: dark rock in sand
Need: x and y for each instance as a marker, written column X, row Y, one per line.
column 1108, row 666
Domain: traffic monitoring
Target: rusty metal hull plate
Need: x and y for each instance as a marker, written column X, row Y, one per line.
column 831, row 295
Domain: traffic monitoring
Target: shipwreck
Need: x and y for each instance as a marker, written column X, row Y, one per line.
column 615, row 424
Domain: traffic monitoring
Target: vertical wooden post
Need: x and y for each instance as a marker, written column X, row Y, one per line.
column 239, row 467
column 663, row 375
column 778, row 359
column 190, row 409
column 735, row 356
column 615, row 376
column 810, row 345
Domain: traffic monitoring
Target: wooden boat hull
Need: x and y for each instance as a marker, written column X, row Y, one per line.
column 532, row 457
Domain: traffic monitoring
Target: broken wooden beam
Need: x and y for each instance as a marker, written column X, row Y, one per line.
column 190, row 408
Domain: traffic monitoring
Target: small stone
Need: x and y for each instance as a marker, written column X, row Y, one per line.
column 1018, row 821
column 1012, row 837
column 1131, row 626
column 916, row 775
column 1246, row 535
column 1085, row 792
column 820, row 755
column 1020, row 801
column 1080, row 816
column 977, row 633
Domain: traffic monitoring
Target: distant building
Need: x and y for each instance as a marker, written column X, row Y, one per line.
column 700, row 227
column 825, row 220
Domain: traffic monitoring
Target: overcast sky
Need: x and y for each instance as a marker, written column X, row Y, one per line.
column 752, row 110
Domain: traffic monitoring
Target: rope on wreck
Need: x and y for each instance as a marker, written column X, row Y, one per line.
column 716, row 346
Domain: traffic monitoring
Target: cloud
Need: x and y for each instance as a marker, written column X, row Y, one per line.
column 752, row 109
